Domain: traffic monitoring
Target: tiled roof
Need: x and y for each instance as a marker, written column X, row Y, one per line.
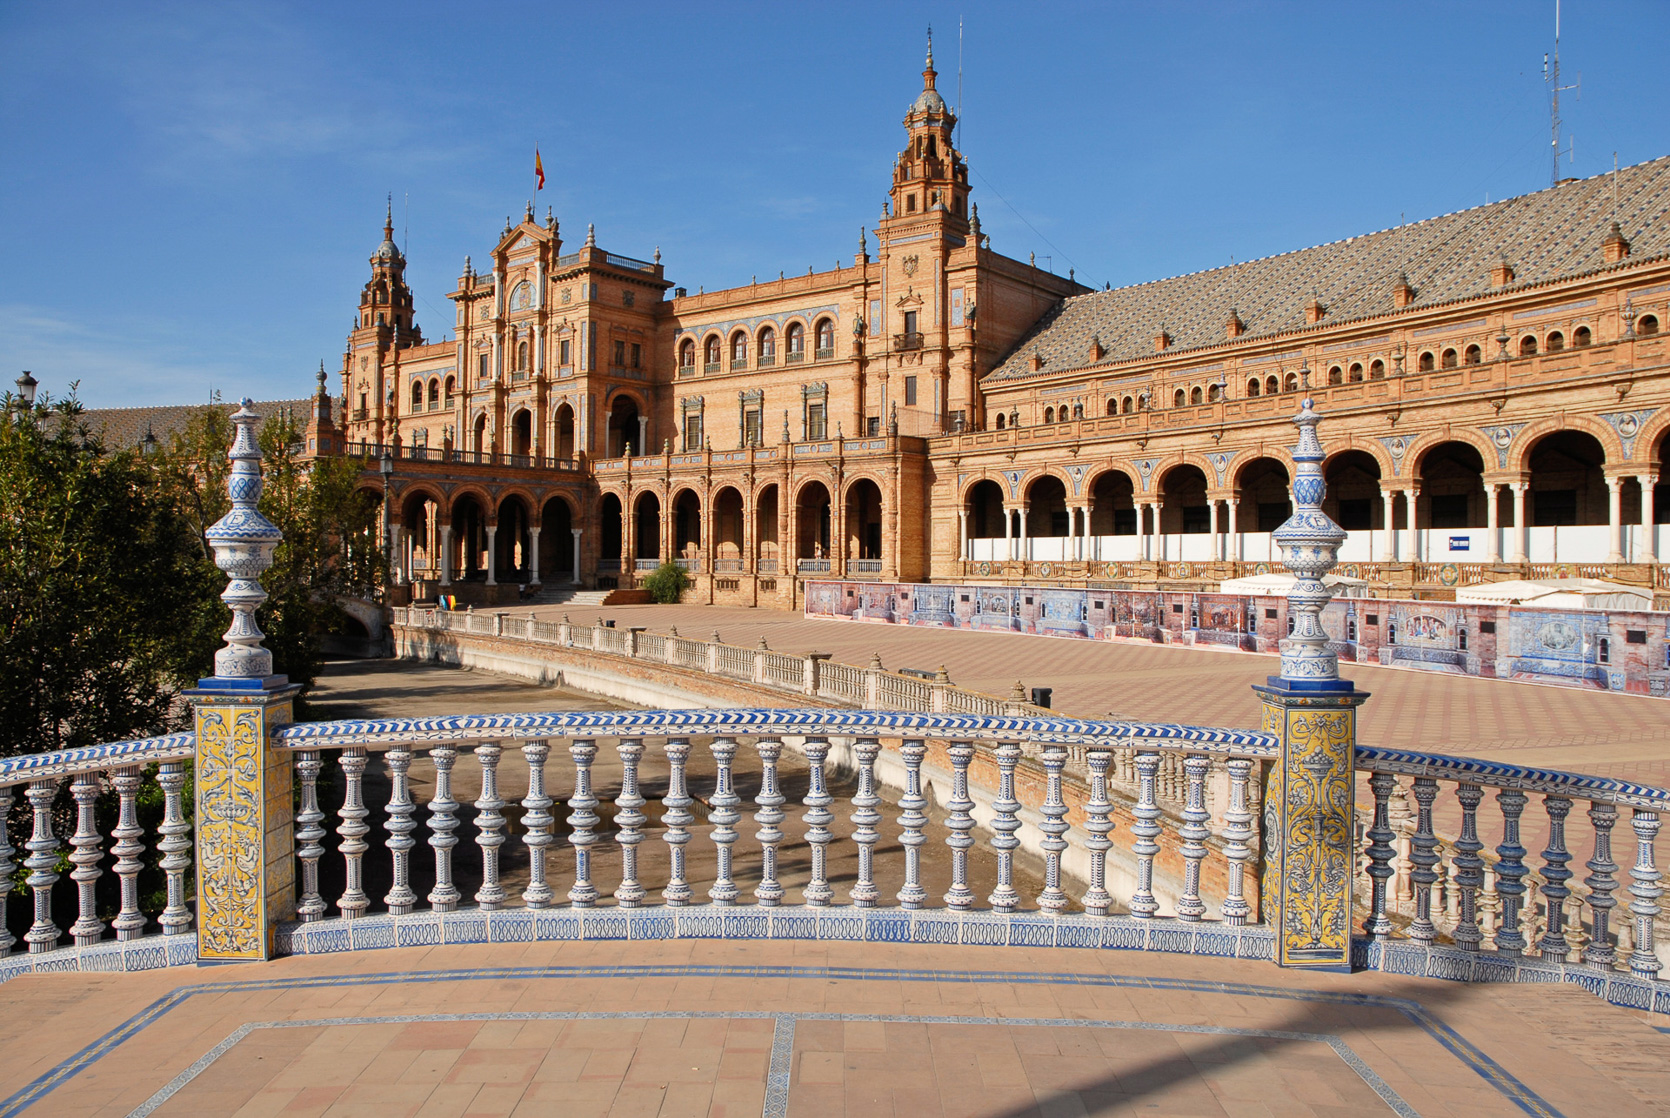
column 120, row 428
column 1549, row 235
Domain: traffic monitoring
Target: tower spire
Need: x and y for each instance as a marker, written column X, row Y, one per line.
column 388, row 220
column 928, row 72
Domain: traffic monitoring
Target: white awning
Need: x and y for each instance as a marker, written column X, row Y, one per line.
column 1559, row 593
column 1276, row 584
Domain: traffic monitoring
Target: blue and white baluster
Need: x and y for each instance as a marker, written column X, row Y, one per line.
column 1238, row 832
column 42, row 864
column 723, row 814
column 1553, row 946
column 1644, row 891
column 443, row 820
column 85, row 856
column 310, row 834
column 1510, row 872
column 1004, row 898
column 1380, row 854
column 960, row 823
column 912, row 819
column 629, row 821
column 676, row 818
column 537, row 818
column 769, row 892
column 818, row 817
column 489, row 822
column 1469, row 869
column 1098, row 822
column 1602, row 881
column 1193, row 832
column 864, row 820
column 129, row 922
column 400, row 898
column 1423, row 856
column 1054, row 826
column 582, row 817
column 8, row 867
column 1146, row 811
column 353, row 830
column 175, row 846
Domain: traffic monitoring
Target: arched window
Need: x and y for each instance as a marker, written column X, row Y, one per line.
column 1336, row 375
column 1528, row 345
column 1472, row 355
column 1000, row 421
column 1648, row 324
column 522, row 355
column 1426, row 362
column 739, row 350
column 1127, row 405
column 1078, row 411
column 1603, row 651
column 1449, row 359
column 1376, row 369
column 687, row 354
column 1252, row 386
column 417, row 395
column 1194, row 395
column 1214, row 393
column 768, row 346
column 1113, row 406
column 1177, row 398
column 796, row 337
column 1049, row 415
column 1355, row 375
column 434, row 394
column 1556, row 342
column 1271, row 386
column 712, row 355
column 1292, row 383
column 1582, row 337
column 451, row 387
column 826, row 338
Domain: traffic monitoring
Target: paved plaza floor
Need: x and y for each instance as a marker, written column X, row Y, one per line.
column 809, row 1029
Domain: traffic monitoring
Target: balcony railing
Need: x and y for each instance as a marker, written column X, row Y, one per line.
column 826, row 354
column 795, row 357
column 907, row 341
column 766, row 361
column 646, row 564
column 738, row 363
column 865, row 566
column 713, row 367
column 811, row 566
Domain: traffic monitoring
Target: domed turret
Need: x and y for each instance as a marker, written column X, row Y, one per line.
column 388, row 252
column 929, row 101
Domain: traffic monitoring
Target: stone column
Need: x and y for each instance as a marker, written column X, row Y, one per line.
column 1615, row 519
column 1008, row 531
column 1025, row 548
column 1413, row 552
column 1649, row 546
column 533, row 556
column 1142, row 529
column 575, row 532
column 1388, row 544
column 643, row 434
column 1521, row 534
column 244, row 836
column 446, row 555
column 1234, row 550
column 492, row 554
column 1309, row 843
column 1492, row 518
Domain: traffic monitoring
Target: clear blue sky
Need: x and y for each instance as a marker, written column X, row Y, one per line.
column 190, row 191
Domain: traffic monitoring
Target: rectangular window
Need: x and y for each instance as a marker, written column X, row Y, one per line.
column 562, row 348
column 873, row 426
column 693, row 431
column 620, row 355
column 484, row 365
column 910, row 392
column 875, row 318
column 956, row 306
column 1635, row 636
column 637, row 355
column 752, row 427
column 910, row 322
column 814, row 421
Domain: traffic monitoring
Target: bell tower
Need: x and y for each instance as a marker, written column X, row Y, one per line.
column 383, row 326
column 929, row 176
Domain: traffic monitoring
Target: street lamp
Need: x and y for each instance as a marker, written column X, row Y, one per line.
column 26, row 386
column 385, row 466
column 148, row 445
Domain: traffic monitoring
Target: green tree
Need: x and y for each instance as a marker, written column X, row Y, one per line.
column 667, row 583
column 96, row 571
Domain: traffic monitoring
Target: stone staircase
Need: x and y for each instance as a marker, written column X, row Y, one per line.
column 565, row 596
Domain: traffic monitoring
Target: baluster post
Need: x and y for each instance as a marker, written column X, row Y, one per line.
column 676, row 818
column 1424, row 857
column 582, row 817
column 1004, row 898
column 400, row 898
column 1054, row 827
column 443, row 821
column 629, row 819
column 1238, row 817
column 129, row 922
column 961, row 822
column 1193, row 832
column 1098, row 822
column 8, row 867
column 1380, row 853
column 1510, row 872
column 1146, row 829
column 171, row 778
column 353, row 902
column 864, row 820
column 489, row 822
column 724, row 817
column 537, row 818
column 818, row 817
column 42, row 864
column 769, row 892
column 85, row 855
column 1555, row 856
column 1602, row 881
column 309, row 835
column 1469, row 869
column 1644, row 891
column 912, row 818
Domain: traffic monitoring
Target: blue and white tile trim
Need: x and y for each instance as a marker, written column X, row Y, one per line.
column 1493, row 774
column 112, row 957
column 111, row 755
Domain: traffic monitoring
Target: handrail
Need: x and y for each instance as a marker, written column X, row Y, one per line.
column 1497, row 774
column 64, row 762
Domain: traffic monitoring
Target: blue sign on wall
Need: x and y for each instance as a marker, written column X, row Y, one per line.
column 1461, row 543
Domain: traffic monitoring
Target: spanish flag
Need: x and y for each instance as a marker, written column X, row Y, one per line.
column 538, row 171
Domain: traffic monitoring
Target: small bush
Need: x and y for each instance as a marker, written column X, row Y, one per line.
column 667, row 583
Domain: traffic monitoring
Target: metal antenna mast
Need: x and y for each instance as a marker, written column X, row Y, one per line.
column 1551, row 77
column 959, row 81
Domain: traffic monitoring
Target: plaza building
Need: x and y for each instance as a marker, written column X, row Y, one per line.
column 1493, row 381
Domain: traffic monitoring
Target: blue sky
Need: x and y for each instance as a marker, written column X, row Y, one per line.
column 191, row 190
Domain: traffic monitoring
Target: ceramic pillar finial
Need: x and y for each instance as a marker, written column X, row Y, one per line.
column 244, row 542
column 1310, row 544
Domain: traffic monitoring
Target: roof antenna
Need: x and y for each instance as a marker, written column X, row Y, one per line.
column 406, row 226
column 959, row 136
column 1614, row 188
column 1551, row 78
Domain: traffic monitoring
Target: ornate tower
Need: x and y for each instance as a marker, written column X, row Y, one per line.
column 383, row 326
column 929, row 174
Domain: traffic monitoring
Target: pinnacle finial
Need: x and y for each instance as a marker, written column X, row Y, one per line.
column 244, row 542
column 321, row 376
column 388, row 218
column 591, row 235
column 928, row 72
column 1310, row 543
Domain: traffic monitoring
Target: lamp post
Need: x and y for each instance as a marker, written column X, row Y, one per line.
column 24, row 401
column 385, row 466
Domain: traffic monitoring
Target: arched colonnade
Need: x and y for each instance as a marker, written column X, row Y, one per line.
column 513, row 535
